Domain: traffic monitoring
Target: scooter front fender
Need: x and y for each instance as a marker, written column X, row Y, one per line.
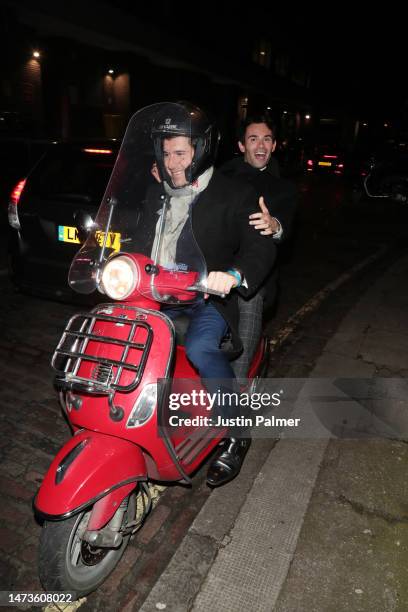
column 89, row 466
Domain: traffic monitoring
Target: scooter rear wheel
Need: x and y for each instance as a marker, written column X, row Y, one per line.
column 68, row 563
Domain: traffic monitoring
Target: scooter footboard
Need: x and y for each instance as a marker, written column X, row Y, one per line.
column 88, row 467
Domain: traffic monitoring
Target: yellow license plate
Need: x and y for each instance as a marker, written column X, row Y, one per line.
column 70, row 234
column 324, row 164
column 113, row 241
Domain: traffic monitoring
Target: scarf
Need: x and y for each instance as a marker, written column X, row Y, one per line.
column 177, row 214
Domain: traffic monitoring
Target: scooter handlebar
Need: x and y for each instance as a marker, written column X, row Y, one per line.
column 204, row 289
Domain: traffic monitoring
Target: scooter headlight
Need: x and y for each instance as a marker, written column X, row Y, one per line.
column 144, row 406
column 119, row 277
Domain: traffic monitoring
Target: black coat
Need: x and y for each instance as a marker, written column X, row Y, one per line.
column 220, row 225
column 280, row 196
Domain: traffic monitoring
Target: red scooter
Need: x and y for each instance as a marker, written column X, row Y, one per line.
column 115, row 367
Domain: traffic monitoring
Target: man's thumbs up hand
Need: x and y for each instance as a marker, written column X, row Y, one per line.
column 263, row 220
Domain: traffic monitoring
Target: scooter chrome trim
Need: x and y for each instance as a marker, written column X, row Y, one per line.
column 73, row 351
column 164, row 396
column 59, row 517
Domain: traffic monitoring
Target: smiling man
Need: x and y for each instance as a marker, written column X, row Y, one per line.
column 257, row 143
column 277, row 199
column 178, row 154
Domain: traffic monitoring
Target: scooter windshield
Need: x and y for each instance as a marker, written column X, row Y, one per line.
column 147, row 208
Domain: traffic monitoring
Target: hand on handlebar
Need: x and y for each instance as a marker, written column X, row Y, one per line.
column 221, row 282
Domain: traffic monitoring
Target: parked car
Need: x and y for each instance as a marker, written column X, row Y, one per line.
column 326, row 159
column 17, row 156
column 42, row 206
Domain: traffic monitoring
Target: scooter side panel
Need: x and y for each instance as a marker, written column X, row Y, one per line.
column 85, row 469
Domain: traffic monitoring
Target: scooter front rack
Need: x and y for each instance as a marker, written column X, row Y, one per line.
column 76, row 353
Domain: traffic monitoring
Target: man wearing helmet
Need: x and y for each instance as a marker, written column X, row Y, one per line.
column 236, row 256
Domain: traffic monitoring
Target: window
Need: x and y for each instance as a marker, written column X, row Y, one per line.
column 262, row 53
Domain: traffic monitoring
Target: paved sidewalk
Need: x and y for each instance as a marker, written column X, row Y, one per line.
column 324, row 524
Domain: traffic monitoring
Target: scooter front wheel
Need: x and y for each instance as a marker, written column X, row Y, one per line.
column 68, row 563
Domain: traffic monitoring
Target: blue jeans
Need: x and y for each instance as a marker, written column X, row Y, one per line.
column 205, row 332
column 204, row 335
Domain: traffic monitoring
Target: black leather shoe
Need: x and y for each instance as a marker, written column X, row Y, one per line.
column 228, row 464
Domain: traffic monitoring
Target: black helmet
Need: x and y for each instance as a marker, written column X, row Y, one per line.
column 185, row 119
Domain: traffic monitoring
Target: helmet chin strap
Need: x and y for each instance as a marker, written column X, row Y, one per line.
column 167, row 178
column 190, row 188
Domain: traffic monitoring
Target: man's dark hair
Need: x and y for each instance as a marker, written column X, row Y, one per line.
column 256, row 119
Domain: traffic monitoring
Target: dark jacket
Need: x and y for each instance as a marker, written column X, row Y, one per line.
column 220, row 225
column 280, row 196
column 238, row 165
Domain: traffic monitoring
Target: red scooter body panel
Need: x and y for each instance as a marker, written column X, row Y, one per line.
column 113, row 321
column 94, row 413
column 154, row 332
column 85, row 469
